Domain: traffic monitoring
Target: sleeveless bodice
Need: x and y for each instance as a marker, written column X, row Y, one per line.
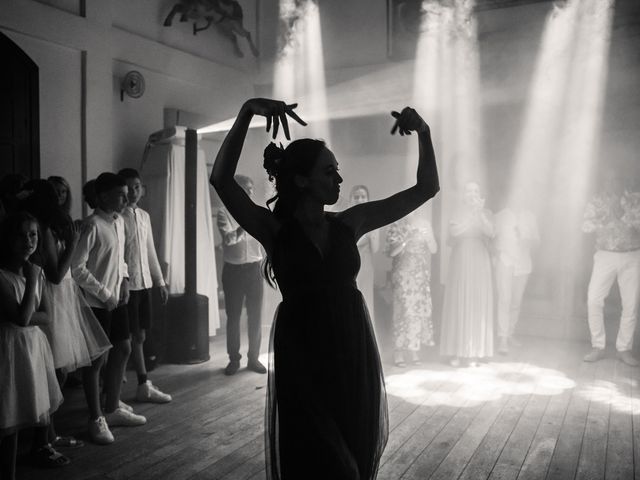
column 299, row 266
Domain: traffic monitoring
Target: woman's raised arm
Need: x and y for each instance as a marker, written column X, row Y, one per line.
column 371, row 215
column 257, row 221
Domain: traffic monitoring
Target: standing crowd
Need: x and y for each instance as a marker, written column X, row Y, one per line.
column 488, row 270
column 77, row 295
column 74, row 296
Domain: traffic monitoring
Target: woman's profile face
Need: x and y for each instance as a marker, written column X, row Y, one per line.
column 358, row 196
column 323, row 181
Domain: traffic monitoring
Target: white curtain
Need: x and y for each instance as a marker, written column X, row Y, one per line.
column 164, row 176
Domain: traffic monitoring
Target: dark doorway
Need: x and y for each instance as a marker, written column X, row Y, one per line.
column 19, row 112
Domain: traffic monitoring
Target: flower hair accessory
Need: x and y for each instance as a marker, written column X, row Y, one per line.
column 273, row 157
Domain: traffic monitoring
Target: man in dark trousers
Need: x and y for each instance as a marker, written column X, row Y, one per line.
column 242, row 283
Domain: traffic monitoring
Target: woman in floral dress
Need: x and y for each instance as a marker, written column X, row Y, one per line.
column 410, row 242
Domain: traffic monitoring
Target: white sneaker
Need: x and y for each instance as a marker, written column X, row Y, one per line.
column 121, row 404
column 123, row 418
column 148, row 392
column 99, row 431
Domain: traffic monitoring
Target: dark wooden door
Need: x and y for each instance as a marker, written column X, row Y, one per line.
column 19, row 111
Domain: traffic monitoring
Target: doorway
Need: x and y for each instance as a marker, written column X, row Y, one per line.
column 19, row 112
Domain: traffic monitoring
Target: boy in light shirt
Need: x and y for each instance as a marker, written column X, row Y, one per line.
column 98, row 266
column 144, row 273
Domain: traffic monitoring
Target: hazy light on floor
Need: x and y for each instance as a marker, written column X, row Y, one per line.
column 437, row 384
column 473, row 385
column 609, row 393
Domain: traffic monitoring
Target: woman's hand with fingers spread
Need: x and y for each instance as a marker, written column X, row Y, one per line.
column 407, row 121
column 275, row 112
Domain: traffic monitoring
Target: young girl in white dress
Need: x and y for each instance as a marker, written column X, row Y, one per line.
column 30, row 391
column 76, row 338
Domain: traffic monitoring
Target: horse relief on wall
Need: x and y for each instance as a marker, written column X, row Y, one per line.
column 225, row 15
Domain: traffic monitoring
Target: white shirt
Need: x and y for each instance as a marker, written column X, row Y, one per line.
column 516, row 232
column 140, row 251
column 98, row 265
column 237, row 249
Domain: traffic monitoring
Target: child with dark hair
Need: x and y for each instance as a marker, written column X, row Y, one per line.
column 144, row 273
column 89, row 194
column 30, row 391
column 99, row 267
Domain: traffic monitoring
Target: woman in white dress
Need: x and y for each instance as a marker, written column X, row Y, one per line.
column 467, row 317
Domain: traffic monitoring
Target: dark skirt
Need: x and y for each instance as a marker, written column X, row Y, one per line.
column 326, row 412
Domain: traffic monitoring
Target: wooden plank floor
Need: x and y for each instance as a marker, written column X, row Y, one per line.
column 537, row 413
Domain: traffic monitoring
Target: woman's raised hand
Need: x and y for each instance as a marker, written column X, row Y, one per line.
column 407, row 121
column 275, row 112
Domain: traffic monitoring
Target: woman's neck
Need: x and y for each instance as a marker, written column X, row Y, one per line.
column 309, row 213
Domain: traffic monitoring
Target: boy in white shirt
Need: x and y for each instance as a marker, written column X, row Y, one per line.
column 144, row 273
column 99, row 268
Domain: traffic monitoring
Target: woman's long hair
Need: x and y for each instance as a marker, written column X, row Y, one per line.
column 282, row 166
column 42, row 203
column 55, row 180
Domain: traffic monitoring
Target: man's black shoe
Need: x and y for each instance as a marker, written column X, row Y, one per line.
column 256, row 366
column 232, row 368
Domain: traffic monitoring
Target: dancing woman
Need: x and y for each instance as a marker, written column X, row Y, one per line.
column 326, row 412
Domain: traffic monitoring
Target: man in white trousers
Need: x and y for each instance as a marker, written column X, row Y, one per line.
column 614, row 216
column 516, row 234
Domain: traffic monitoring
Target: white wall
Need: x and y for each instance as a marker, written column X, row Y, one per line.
column 84, row 127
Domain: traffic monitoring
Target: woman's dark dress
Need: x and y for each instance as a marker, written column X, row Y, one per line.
column 326, row 411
